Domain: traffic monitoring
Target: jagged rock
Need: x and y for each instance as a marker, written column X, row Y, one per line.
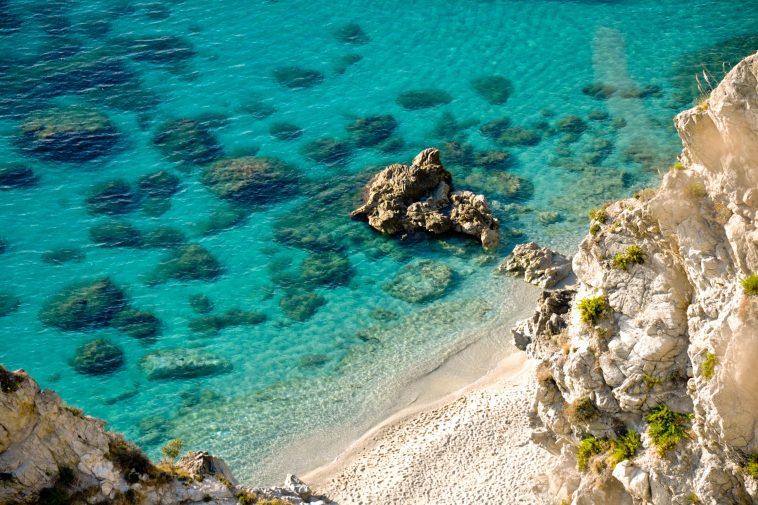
column 407, row 198
column 52, row 453
column 539, row 265
column 676, row 326
column 548, row 320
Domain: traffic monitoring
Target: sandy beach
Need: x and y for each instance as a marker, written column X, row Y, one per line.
column 471, row 446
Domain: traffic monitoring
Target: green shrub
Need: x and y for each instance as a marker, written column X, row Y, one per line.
column 598, row 215
column 666, row 427
column 582, row 410
column 172, row 448
column 589, row 447
column 633, row 255
column 677, row 166
column 694, row 498
column 651, row 381
column 625, row 447
column 594, row 229
column 707, row 367
column 9, row 381
column 752, row 466
column 592, row 309
column 750, row 284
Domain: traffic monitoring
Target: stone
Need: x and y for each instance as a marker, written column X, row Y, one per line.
column 327, row 150
column 572, row 125
column 297, row 77
column 372, row 130
column 540, row 266
column 407, row 198
column 328, row 268
column 285, row 131
column 73, row 134
column 114, row 197
column 233, row 317
column 301, row 306
column 252, row 181
column 599, row 90
column 182, row 364
column 84, row 305
column 423, row 98
column 187, row 263
column 420, row 281
column 495, row 89
column 115, row 233
column 8, row 303
column 17, row 176
column 202, row 464
column 518, row 136
column 187, row 141
column 458, row 153
column 495, row 128
column 160, row 184
column 98, row 357
column 137, row 323
column 351, row 33
column 342, row 63
column 493, row 160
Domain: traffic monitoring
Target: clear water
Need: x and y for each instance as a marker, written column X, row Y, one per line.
column 291, row 379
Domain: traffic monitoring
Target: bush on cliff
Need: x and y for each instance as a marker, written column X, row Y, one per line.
column 592, row 309
column 750, row 284
column 666, row 427
column 633, row 255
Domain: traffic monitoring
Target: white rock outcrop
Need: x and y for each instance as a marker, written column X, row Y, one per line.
column 673, row 326
column 51, row 452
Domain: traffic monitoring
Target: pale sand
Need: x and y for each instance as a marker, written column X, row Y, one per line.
column 470, row 447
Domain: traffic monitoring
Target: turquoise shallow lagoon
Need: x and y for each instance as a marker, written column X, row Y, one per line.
column 295, row 375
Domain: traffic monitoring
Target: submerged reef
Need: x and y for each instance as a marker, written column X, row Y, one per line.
column 80, row 306
column 187, row 141
column 252, row 181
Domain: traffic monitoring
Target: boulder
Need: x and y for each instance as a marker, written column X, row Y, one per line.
column 416, row 99
column 495, row 89
column 182, row 364
column 82, row 306
column 301, row 306
column 112, row 198
column 232, row 317
column 351, row 33
column 137, row 323
column 540, row 266
column 17, row 175
column 416, row 197
column 249, row 180
column 201, row 464
column 327, row 268
column 420, row 281
column 160, row 184
column 115, row 233
column 372, row 130
column 327, row 150
column 186, row 263
column 98, row 357
column 69, row 134
column 187, row 141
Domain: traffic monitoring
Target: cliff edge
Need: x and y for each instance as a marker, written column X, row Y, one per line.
column 646, row 388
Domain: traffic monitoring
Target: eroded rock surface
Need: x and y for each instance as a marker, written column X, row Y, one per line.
column 671, row 325
column 419, row 197
column 538, row 265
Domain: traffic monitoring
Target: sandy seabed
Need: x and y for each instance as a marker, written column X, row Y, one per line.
column 470, row 447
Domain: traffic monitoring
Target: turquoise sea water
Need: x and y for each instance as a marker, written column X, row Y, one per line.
column 145, row 63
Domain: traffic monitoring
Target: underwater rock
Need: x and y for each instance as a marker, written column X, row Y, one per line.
column 458, row 153
column 115, row 234
column 3, row 245
column 301, row 306
column 448, row 127
column 423, row 98
column 160, row 184
column 492, row 160
column 383, row 315
column 406, row 198
column 571, row 124
column 297, row 77
column 221, row 219
column 63, row 255
column 182, row 364
column 599, row 90
column 8, row 303
column 250, row 180
column 285, row 131
column 68, row 134
column 111, row 198
column 156, row 49
column 327, row 268
column 499, row 183
column 494, row 89
column 598, row 115
column 232, row 317
column 548, row 217
column 164, row 237
column 200, row 303
column 327, row 150
column 495, row 128
column 258, row 109
column 518, row 136
column 84, row 305
column 17, row 175
column 372, row 130
column 649, row 90
column 314, row 360
column 98, row 357
column 598, row 149
column 187, row 141
column 137, row 323
column 187, row 263
column 342, row 63
column 420, row 281
column 351, row 33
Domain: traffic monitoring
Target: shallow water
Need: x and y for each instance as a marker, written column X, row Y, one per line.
column 291, row 378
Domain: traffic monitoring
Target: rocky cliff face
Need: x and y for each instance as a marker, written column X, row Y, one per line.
column 53, row 454
column 647, row 377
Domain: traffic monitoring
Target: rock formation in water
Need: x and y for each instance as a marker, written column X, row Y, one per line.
column 646, row 391
column 419, row 197
column 51, row 453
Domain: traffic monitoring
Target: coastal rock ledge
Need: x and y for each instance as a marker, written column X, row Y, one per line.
column 646, row 385
column 51, row 453
column 419, row 197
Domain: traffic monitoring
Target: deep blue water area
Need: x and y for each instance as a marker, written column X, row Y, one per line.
column 148, row 288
